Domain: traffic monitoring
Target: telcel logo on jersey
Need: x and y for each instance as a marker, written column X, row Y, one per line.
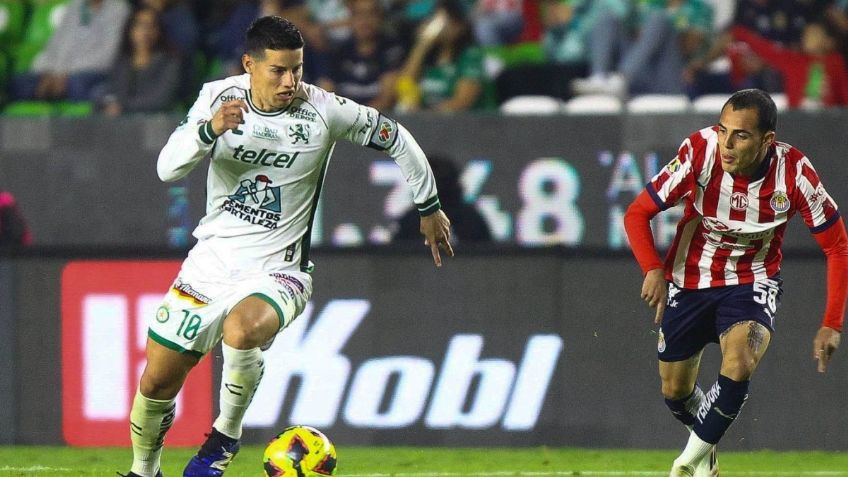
column 282, row 160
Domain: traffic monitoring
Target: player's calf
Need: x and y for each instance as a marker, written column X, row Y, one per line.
column 720, row 408
column 684, row 409
column 150, row 420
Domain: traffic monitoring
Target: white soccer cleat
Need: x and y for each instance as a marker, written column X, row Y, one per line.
column 708, row 467
column 682, row 470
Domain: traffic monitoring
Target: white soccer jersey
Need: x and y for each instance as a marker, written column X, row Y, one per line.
column 265, row 178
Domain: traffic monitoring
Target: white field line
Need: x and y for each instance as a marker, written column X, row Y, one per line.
column 581, row 473
column 35, row 468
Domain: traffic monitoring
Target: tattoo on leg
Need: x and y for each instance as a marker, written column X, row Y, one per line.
column 734, row 325
column 756, row 337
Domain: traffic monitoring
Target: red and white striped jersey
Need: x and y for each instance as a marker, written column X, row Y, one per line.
column 732, row 227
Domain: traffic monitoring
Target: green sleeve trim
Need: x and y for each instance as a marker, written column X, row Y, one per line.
column 430, row 207
column 171, row 345
column 273, row 304
column 207, row 134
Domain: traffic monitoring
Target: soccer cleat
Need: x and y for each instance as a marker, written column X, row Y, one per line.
column 682, row 470
column 133, row 474
column 708, row 467
column 213, row 457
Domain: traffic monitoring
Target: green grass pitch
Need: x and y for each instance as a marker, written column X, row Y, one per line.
column 436, row 462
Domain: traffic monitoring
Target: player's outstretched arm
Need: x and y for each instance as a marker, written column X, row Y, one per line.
column 637, row 224
column 196, row 135
column 834, row 242
column 436, row 231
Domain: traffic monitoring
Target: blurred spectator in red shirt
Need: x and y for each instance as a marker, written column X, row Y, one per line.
column 814, row 76
column 13, row 228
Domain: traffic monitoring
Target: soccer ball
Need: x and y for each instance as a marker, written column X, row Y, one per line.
column 300, row 451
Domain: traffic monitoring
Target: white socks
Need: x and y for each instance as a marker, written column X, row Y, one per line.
column 243, row 369
column 150, row 419
column 695, row 450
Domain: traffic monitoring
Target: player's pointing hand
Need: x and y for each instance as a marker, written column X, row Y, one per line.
column 655, row 292
column 824, row 345
column 436, row 231
column 229, row 116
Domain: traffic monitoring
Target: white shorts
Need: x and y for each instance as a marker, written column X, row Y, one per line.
column 191, row 318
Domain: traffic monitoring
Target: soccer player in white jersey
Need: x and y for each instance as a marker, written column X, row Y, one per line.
column 269, row 137
column 721, row 279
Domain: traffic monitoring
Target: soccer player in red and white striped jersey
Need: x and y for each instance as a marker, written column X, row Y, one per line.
column 721, row 278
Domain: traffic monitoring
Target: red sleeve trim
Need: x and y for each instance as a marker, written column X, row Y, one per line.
column 834, row 242
column 637, row 224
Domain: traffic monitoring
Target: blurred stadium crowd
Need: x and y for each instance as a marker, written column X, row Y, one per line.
column 113, row 57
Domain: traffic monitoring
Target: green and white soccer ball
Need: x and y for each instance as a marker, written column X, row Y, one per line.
column 300, row 451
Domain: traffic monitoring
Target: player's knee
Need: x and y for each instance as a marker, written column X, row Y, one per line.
column 674, row 389
column 241, row 333
column 158, row 386
column 739, row 367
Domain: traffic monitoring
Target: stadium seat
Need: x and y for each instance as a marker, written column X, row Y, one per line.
column 45, row 16
column 12, row 14
column 709, row 103
column 73, row 109
column 780, row 101
column 593, row 104
column 28, row 109
column 531, row 105
column 658, row 103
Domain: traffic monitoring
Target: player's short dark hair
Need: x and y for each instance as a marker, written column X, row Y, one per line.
column 271, row 33
column 759, row 100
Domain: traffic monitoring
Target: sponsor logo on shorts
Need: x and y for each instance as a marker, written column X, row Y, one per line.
column 186, row 291
column 660, row 341
column 291, row 284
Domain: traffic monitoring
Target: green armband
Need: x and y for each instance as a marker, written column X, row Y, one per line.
column 207, row 134
column 430, row 207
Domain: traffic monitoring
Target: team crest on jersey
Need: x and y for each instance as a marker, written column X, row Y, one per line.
column 256, row 201
column 739, row 201
column 779, row 202
column 299, row 133
column 264, row 132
